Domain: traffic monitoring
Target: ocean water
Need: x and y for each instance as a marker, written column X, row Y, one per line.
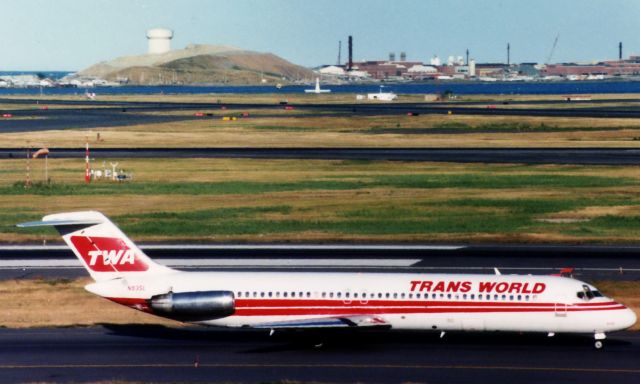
column 459, row 88
column 55, row 75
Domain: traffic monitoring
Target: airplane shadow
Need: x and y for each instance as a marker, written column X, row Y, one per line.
column 259, row 341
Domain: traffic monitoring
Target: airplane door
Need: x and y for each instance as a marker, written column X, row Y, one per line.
column 560, row 310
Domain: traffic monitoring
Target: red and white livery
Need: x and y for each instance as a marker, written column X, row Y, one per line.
column 285, row 300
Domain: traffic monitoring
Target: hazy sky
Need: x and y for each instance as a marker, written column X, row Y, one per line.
column 73, row 34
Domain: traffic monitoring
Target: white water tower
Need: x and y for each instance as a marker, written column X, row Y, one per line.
column 159, row 40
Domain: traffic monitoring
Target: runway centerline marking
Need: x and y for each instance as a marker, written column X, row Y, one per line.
column 339, row 366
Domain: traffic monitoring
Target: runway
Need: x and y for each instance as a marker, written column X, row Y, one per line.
column 158, row 354
column 590, row 156
column 591, row 263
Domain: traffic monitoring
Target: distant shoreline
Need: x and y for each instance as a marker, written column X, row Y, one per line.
column 414, row 88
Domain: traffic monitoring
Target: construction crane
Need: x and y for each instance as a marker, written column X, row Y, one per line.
column 553, row 49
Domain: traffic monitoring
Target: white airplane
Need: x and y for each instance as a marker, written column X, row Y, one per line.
column 317, row 300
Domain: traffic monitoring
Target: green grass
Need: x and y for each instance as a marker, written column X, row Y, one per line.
column 461, row 127
column 277, row 128
column 419, row 181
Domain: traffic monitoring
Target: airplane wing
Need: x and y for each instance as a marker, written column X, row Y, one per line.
column 360, row 321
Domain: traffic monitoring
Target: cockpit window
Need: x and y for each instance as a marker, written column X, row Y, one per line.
column 587, row 293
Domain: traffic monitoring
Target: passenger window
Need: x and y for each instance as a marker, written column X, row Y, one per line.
column 519, row 297
column 346, row 295
column 278, row 294
column 480, row 296
column 285, row 294
column 339, row 294
column 395, row 295
column 473, row 296
column 464, row 297
column 261, row 294
column 402, row 295
column 331, row 294
column 449, row 296
column 386, row 295
column 417, row 295
column 308, row 294
column 239, row 294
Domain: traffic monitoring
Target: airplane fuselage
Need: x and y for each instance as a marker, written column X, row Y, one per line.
column 442, row 302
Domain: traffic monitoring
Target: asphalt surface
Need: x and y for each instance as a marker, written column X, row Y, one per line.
column 590, row 263
column 158, row 354
column 591, row 156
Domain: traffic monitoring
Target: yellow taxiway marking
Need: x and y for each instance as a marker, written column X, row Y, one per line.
column 346, row 366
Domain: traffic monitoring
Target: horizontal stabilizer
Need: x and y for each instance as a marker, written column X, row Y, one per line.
column 58, row 223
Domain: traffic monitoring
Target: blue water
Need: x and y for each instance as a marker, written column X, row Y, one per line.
column 459, row 88
column 54, row 75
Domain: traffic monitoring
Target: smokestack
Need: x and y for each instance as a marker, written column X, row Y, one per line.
column 620, row 51
column 467, row 61
column 350, row 67
column 392, row 56
column 403, row 56
column 339, row 52
column 508, row 54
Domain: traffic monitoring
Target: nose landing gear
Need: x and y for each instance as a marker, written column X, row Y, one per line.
column 599, row 340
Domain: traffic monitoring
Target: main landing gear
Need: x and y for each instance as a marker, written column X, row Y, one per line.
column 599, row 340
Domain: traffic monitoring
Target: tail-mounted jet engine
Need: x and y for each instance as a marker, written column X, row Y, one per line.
column 193, row 306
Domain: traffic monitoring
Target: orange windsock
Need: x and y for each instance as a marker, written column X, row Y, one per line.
column 40, row 152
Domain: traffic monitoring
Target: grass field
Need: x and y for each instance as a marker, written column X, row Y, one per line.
column 64, row 303
column 316, row 200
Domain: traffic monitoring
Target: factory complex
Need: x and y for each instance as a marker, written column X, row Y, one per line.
column 464, row 68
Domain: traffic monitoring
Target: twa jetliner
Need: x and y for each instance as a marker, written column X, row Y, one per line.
column 318, row 300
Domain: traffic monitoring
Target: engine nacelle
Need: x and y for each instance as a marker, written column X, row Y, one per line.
column 204, row 305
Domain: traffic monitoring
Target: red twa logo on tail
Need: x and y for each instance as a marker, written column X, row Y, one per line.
column 108, row 254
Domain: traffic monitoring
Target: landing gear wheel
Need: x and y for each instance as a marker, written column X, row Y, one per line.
column 598, row 344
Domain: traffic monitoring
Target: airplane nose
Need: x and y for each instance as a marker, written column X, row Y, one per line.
column 628, row 318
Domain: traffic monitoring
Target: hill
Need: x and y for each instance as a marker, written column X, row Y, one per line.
column 199, row 65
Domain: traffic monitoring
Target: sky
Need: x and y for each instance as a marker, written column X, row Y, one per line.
column 74, row 34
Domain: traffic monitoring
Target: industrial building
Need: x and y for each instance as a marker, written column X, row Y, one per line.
column 464, row 68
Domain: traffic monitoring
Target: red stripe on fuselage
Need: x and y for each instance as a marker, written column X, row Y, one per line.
column 395, row 303
column 270, row 307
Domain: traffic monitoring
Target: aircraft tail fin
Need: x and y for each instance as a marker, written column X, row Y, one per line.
column 102, row 248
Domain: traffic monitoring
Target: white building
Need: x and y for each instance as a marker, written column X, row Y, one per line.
column 422, row 69
column 332, row 70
